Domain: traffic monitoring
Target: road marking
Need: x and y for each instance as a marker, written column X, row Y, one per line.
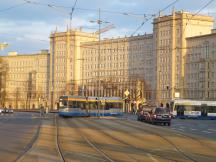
column 181, row 127
column 193, row 129
column 152, row 158
column 206, row 132
column 212, row 130
column 181, row 130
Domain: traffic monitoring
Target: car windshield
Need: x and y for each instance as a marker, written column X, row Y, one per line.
column 161, row 111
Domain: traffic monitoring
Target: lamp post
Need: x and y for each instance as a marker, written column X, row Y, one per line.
column 82, row 75
column 99, row 22
column 3, row 46
column 52, row 97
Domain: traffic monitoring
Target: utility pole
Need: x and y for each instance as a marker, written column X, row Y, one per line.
column 99, row 28
column 81, row 59
column 99, row 22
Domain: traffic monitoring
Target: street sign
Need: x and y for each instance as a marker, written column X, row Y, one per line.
column 103, row 102
column 126, row 92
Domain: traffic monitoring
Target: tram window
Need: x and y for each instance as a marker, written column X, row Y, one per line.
column 87, row 106
column 92, row 106
column 112, row 105
column 211, row 109
column 74, row 104
column 116, row 105
column 197, row 108
column 179, row 107
column 64, row 102
column 82, row 105
column 69, row 104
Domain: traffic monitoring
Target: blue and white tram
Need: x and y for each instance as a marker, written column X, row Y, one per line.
column 111, row 106
column 183, row 108
column 72, row 106
column 79, row 106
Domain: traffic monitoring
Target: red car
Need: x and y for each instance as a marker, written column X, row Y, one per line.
column 159, row 115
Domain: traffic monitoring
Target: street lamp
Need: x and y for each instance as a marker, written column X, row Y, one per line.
column 3, row 46
column 82, row 75
column 99, row 22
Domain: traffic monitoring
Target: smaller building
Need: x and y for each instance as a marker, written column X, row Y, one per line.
column 200, row 67
column 24, row 80
column 170, row 33
column 112, row 66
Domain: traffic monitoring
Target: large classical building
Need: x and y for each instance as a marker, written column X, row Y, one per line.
column 65, row 62
column 170, row 46
column 24, row 80
column 147, row 66
column 200, row 67
column 121, row 64
column 177, row 60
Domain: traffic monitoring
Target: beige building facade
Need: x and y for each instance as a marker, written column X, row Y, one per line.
column 170, row 46
column 24, row 80
column 122, row 64
column 152, row 67
column 200, row 67
column 65, row 62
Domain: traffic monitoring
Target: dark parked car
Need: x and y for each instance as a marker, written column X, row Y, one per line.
column 143, row 114
column 159, row 115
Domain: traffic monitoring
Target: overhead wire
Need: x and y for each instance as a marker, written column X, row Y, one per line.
column 87, row 9
column 202, row 8
column 44, row 4
column 12, row 7
column 71, row 13
column 154, row 15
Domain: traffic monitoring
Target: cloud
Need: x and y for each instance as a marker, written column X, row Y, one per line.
column 119, row 32
column 36, row 30
column 125, row 3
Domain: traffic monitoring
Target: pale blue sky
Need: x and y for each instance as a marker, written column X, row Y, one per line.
column 26, row 27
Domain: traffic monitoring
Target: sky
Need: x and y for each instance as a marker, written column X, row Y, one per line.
column 26, row 24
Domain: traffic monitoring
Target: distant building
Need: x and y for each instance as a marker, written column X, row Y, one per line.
column 24, row 80
column 170, row 46
column 200, row 67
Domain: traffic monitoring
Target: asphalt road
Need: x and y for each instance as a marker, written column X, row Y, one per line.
column 16, row 130
column 112, row 139
column 104, row 139
column 202, row 128
column 199, row 128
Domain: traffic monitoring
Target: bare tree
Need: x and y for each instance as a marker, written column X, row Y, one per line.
column 3, row 75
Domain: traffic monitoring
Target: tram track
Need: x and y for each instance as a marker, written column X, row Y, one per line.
column 89, row 142
column 143, row 151
column 57, row 140
column 163, row 137
column 30, row 144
